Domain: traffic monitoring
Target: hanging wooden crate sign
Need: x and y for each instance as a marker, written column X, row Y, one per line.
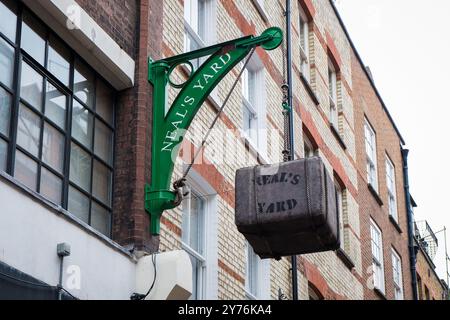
column 287, row 209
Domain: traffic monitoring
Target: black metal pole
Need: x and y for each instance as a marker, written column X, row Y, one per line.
column 412, row 252
column 291, row 125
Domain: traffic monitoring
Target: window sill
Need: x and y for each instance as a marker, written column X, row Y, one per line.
column 261, row 11
column 380, row 294
column 58, row 210
column 262, row 158
column 249, row 296
column 192, row 252
column 309, row 89
column 375, row 194
column 345, row 258
column 395, row 223
column 338, row 136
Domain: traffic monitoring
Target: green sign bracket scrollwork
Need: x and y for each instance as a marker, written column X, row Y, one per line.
column 169, row 128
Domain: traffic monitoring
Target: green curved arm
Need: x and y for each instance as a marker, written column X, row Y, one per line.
column 169, row 130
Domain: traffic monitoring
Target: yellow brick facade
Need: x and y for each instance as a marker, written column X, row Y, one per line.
column 341, row 281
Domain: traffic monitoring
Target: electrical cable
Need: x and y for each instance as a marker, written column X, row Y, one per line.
column 61, row 288
column 139, row 296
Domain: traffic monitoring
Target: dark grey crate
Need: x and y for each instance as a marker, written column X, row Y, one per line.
column 287, row 209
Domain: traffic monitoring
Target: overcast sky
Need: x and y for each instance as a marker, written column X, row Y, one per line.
column 406, row 44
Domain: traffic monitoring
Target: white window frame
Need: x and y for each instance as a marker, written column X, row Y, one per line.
column 191, row 29
column 377, row 257
column 340, row 207
column 192, row 25
column 260, row 6
column 260, row 271
column 303, row 24
column 392, row 189
column 257, row 137
column 332, row 93
column 208, row 271
column 371, row 155
column 397, row 275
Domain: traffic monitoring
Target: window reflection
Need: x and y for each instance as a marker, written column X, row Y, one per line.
column 31, row 85
column 33, row 35
column 5, row 111
column 82, row 124
column 80, row 167
column 53, row 148
column 58, row 60
column 8, row 19
column 3, row 154
column 101, row 183
column 6, row 63
column 55, row 105
column 51, row 186
column 26, row 170
column 28, row 131
column 78, row 205
column 103, row 142
column 84, row 84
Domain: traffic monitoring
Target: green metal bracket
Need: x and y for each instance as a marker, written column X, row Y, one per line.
column 169, row 129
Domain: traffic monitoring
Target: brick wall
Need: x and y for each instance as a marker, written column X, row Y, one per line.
column 118, row 18
column 429, row 278
column 326, row 271
column 367, row 104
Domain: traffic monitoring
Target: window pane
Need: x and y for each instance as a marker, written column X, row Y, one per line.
column 58, row 60
column 6, row 63
column 252, row 271
column 31, row 85
column 100, row 219
column 55, row 105
column 33, row 35
column 51, row 186
column 252, row 87
column 196, row 271
column 78, row 205
column 84, row 84
column 53, row 148
column 28, row 131
column 202, row 19
column 8, row 19
column 196, row 224
column 105, row 103
column 80, row 167
column 245, row 89
column 5, row 111
column 102, row 183
column 103, row 142
column 26, row 170
column 3, row 154
column 82, row 124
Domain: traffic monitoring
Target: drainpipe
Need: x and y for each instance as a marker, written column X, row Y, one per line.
column 412, row 252
column 291, row 125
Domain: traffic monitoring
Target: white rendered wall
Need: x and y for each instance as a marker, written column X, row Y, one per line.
column 29, row 233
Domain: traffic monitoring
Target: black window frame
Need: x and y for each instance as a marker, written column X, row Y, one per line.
column 20, row 57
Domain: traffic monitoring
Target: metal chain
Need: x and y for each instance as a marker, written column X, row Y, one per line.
column 286, row 107
column 178, row 184
column 286, row 136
